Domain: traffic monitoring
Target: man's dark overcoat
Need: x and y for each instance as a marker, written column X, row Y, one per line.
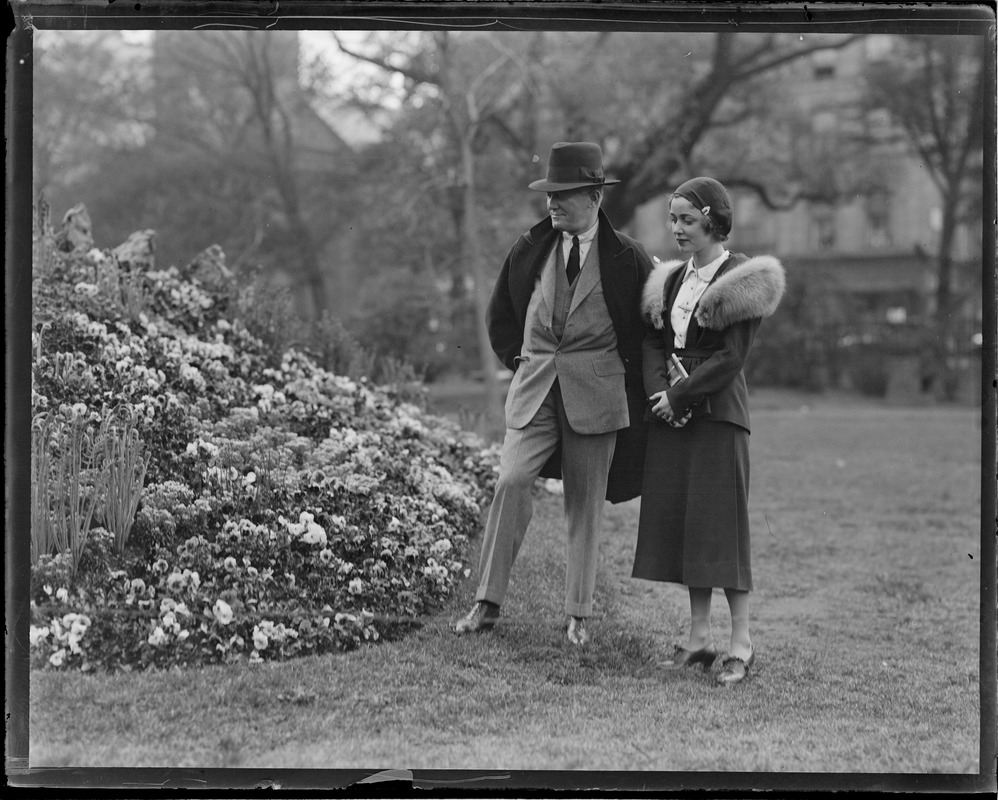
column 624, row 267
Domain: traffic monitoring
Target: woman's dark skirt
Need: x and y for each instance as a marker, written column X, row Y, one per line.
column 694, row 526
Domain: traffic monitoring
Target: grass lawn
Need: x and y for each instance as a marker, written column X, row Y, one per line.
column 866, row 551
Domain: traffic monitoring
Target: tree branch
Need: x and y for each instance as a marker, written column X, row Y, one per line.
column 417, row 75
column 775, row 61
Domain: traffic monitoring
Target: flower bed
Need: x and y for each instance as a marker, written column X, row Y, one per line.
column 282, row 509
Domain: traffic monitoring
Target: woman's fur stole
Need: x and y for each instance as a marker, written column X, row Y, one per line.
column 750, row 290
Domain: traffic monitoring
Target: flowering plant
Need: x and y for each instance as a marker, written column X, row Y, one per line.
column 284, row 510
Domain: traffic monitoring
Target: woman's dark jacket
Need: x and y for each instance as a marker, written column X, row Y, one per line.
column 719, row 336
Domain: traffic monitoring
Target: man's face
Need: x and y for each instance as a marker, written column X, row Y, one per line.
column 572, row 211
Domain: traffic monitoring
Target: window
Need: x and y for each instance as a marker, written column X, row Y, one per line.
column 823, row 226
column 878, row 215
column 823, row 63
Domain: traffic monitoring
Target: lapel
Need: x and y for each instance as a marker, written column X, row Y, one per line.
column 549, row 273
column 523, row 280
column 588, row 278
column 618, row 274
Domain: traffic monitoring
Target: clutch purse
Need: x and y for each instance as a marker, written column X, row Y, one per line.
column 677, row 372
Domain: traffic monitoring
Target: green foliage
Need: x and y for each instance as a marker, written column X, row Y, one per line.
column 67, row 484
column 125, row 472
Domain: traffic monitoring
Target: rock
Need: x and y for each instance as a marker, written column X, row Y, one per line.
column 75, row 234
column 138, row 250
column 209, row 268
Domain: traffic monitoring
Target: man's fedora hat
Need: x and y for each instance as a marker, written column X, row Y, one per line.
column 573, row 165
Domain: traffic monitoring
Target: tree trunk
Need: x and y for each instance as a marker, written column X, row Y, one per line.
column 471, row 255
column 945, row 343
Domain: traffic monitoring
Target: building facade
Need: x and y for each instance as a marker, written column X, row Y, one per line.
column 865, row 266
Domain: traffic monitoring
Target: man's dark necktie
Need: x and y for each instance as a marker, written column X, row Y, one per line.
column 573, row 260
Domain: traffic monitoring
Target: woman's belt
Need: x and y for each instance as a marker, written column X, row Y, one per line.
column 692, row 352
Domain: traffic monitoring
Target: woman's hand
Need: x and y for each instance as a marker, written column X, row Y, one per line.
column 661, row 407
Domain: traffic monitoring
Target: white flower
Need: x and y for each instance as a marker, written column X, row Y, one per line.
column 38, row 635
column 57, row 658
column 356, row 586
column 175, row 579
column 229, row 564
column 62, row 595
column 138, row 585
column 260, row 640
column 222, row 612
column 314, row 535
column 441, row 546
column 157, row 637
column 170, row 622
column 86, row 289
column 309, row 530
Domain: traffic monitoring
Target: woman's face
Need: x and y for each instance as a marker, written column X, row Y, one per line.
column 687, row 226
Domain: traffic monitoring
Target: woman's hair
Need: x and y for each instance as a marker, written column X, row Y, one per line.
column 711, row 227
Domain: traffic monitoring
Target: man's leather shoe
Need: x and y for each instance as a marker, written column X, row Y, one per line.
column 681, row 657
column 481, row 618
column 577, row 633
column 734, row 669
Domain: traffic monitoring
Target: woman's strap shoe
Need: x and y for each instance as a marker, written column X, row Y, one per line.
column 681, row 657
column 735, row 669
column 577, row 633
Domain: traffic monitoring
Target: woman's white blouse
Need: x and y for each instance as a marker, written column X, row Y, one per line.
column 695, row 282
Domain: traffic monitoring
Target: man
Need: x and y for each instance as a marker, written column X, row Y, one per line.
column 564, row 315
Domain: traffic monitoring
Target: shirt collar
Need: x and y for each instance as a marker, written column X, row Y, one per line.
column 707, row 271
column 585, row 237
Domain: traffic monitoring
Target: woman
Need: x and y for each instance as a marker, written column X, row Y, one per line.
column 694, row 526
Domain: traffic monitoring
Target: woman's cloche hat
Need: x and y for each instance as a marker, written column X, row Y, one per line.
column 711, row 198
column 573, row 165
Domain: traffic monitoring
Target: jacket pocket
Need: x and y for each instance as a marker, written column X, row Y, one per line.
column 608, row 366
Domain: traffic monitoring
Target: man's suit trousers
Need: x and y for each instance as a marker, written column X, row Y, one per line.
column 585, row 461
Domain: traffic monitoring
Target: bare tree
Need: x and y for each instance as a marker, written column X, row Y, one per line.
column 476, row 87
column 87, row 96
column 934, row 90
column 648, row 163
column 249, row 116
